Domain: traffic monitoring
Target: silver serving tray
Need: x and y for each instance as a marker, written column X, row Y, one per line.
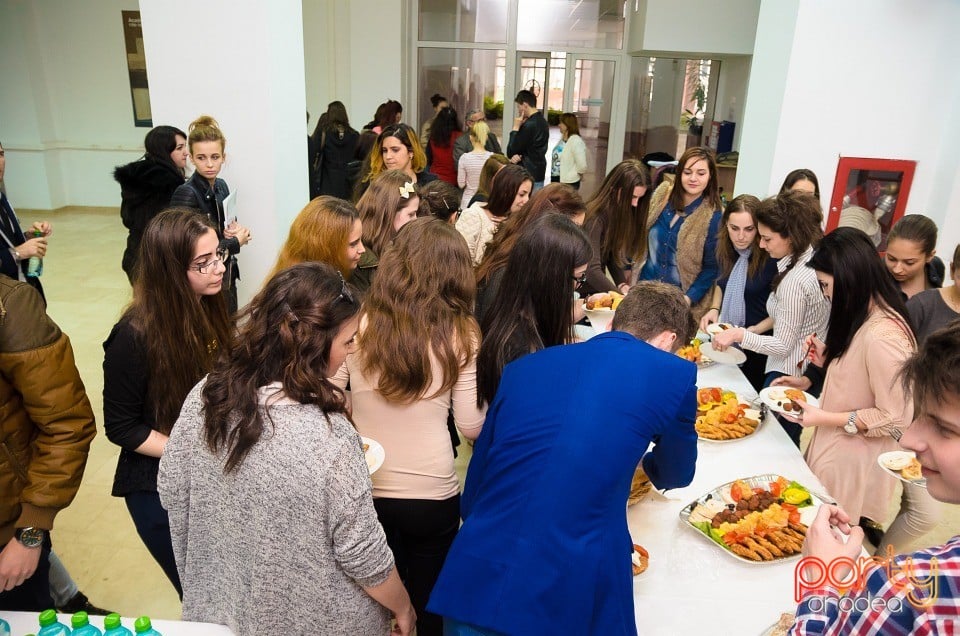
column 754, row 482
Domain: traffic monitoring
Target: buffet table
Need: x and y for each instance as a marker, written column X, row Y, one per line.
column 692, row 586
column 26, row 623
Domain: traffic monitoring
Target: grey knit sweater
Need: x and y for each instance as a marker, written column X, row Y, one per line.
column 284, row 543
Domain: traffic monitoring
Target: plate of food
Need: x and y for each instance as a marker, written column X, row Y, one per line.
column 640, row 559
column 600, row 309
column 783, row 399
column 761, row 519
column 717, row 327
column 730, row 355
column 903, row 465
column 692, row 353
column 373, row 452
column 724, row 416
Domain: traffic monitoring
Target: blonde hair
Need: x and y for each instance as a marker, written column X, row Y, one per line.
column 479, row 133
column 205, row 128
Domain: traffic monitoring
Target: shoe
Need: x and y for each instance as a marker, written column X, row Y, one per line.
column 872, row 530
column 80, row 602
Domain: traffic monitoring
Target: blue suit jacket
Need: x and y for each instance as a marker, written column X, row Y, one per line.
column 544, row 547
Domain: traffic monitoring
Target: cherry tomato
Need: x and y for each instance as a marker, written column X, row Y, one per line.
column 776, row 488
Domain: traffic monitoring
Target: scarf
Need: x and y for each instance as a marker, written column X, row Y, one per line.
column 733, row 309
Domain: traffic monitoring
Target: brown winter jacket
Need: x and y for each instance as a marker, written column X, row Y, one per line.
column 46, row 422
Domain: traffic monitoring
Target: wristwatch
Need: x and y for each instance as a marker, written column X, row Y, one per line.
column 30, row 537
column 851, row 425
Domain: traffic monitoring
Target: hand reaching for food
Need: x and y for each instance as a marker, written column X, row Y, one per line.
column 727, row 338
column 710, row 317
column 803, row 382
column 832, row 536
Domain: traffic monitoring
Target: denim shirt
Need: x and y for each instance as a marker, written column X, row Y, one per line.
column 661, row 262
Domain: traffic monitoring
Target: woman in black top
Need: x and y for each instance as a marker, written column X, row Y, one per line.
column 147, row 184
column 205, row 192
column 165, row 342
column 336, row 143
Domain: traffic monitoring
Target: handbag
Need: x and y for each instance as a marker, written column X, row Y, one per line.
column 316, row 166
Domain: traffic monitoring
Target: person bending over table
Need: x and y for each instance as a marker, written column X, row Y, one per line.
column 918, row 592
column 544, row 547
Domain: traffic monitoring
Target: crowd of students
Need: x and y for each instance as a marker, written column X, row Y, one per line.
column 420, row 313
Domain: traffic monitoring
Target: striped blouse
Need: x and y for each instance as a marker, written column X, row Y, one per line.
column 798, row 309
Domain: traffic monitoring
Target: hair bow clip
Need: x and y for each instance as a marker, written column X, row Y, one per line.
column 406, row 189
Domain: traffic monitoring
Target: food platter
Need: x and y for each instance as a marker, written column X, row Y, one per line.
column 781, row 399
column 724, row 416
column 730, row 355
column 692, row 353
column 374, row 454
column 763, row 519
column 899, row 464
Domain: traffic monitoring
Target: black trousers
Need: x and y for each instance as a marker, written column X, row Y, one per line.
column 33, row 595
column 153, row 526
column 420, row 533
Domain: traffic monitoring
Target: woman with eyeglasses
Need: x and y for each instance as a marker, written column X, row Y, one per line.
column 264, row 448
column 509, row 192
column 392, row 201
column 327, row 230
column 401, row 395
column 471, row 163
column 554, row 198
column 396, row 148
column 533, row 308
column 166, row 340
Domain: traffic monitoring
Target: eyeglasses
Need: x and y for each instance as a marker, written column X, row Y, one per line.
column 474, row 121
column 210, row 266
column 580, row 280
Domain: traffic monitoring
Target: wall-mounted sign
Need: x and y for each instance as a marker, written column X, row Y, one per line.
column 137, row 68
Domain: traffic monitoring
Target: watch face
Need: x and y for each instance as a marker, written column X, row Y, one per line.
column 31, row 537
column 850, row 427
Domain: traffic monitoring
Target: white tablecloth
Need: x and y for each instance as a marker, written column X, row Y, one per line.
column 26, row 623
column 692, row 586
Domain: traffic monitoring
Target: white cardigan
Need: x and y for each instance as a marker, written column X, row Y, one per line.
column 573, row 160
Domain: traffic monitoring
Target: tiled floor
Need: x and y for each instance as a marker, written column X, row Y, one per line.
column 95, row 538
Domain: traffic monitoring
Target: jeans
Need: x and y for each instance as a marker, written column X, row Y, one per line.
column 420, row 533
column 792, row 430
column 153, row 526
column 33, row 595
column 62, row 586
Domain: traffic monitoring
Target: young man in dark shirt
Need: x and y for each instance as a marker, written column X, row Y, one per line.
column 529, row 137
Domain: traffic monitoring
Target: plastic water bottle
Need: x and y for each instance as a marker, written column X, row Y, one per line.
column 49, row 626
column 4, row 628
column 142, row 626
column 113, row 627
column 35, row 264
column 81, row 625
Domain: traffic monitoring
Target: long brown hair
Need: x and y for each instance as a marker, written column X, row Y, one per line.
column 423, row 292
column 379, row 205
column 182, row 333
column 711, row 194
column 554, row 197
column 286, row 337
column 726, row 253
column 490, row 168
column 320, row 232
column 504, row 187
column 626, row 229
column 796, row 216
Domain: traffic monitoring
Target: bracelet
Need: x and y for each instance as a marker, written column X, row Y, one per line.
column 712, row 308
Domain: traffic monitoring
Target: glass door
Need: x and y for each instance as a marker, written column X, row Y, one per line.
column 589, row 96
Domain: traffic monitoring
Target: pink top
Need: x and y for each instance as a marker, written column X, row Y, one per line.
column 415, row 438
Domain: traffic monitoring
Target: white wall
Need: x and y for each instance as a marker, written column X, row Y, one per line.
column 693, row 26
column 65, row 112
column 875, row 83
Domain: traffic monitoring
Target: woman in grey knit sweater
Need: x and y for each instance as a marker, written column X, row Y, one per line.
column 265, row 483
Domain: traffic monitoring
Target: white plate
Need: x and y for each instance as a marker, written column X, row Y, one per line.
column 716, row 327
column 772, row 396
column 730, row 355
column 896, row 473
column 600, row 319
column 374, row 454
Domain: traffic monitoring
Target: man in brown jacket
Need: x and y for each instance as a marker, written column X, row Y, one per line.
column 46, row 426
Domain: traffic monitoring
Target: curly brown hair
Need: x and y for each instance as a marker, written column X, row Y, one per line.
column 286, row 337
column 796, row 216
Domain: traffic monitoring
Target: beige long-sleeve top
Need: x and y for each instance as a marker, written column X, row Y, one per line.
column 415, row 438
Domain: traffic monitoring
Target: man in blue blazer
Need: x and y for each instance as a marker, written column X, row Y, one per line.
column 544, row 547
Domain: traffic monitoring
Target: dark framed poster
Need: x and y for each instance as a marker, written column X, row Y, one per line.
column 137, row 68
